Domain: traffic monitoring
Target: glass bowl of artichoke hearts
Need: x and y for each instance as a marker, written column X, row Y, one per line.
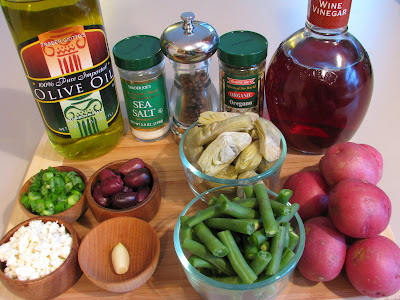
column 224, row 148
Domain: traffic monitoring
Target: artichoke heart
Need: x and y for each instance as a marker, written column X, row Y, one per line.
column 264, row 166
column 222, row 151
column 228, row 173
column 247, row 174
column 270, row 139
column 191, row 150
column 211, row 131
column 208, row 117
column 249, row 158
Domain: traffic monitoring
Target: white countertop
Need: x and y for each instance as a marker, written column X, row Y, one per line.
column 376, row 24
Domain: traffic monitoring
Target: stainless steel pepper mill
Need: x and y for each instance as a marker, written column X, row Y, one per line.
column 189, row 45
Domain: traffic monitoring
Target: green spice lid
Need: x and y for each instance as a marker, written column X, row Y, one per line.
column 242, row 48
column 138, row 52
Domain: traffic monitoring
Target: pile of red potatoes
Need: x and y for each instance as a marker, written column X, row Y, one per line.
column 344, row 213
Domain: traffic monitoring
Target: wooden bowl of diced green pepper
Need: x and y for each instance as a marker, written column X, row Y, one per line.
column 56, row 191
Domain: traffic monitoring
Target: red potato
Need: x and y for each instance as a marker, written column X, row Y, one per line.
column 358, row 208
column 324, row 251
column 373, row 266
column 349, row 160
column 378, row 157
column 310, row 191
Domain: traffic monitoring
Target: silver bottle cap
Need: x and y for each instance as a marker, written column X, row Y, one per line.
column 189, row 41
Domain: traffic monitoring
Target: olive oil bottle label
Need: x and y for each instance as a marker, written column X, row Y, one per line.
column 70, row 74
column 146, row 103
column 241, row 93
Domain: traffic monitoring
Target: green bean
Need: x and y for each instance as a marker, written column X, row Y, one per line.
column 281, row 219
column 267, row 215
column 198, row 262
column 293, row 240
column 287, row 236
column 248, row 202
column 186, row 231
column 250, row 251
column 284, row 196
column 202, row 252
column 201, row 215
column 249, row 191
column 245, row 226
column 287, row 256
column 258, row 237
column 238, row 211
column 260, row 262
column 264, row 246
column 236, row 199
column 209, row 240
column 212, row 201
column 280, row 209
column 277, row 245
column 236, row 258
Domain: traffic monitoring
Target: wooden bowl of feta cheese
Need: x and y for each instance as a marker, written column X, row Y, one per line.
column 39, row 258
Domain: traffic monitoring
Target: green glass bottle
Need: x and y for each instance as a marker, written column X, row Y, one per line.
column 64, row 52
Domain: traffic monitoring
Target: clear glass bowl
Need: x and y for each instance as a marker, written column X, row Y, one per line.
column 215, row 290
column 200, row 182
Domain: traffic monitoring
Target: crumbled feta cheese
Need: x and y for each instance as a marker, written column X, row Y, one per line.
column 35, row 250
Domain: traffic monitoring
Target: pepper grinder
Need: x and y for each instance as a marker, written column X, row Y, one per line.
column 189, row 45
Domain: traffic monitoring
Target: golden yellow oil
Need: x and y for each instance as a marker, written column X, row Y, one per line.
column 28, row 19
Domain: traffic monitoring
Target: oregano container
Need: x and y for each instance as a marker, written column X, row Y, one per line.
column 242, row 57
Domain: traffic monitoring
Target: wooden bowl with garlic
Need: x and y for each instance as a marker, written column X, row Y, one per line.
column 104, row 267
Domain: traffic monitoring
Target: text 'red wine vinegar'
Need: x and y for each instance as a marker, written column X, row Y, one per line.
column 319, row 83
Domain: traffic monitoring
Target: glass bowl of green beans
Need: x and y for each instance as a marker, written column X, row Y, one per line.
column 55, row 191
column 239, row 242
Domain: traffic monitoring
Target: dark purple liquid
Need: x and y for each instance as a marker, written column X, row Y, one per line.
column 318, row 106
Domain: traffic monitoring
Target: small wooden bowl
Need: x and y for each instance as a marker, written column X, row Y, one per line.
column 145, row 210
column 70, row 215
column 53, row 284
column 138, row 237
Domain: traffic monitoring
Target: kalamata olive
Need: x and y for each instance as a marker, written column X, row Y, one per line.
column 131, row 165
column 142, row 193
column 105, row 173
column 137, row 178
column 99, row 197
column 126, row 189
column 118, row 173
column 111, row 185
column 124, row 200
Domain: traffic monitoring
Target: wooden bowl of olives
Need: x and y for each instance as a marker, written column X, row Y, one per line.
column 128, row 187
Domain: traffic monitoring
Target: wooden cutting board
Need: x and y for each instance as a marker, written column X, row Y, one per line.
column 169, row 280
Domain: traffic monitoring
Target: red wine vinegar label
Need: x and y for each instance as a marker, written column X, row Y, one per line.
column 70, row 74
column 329, row 14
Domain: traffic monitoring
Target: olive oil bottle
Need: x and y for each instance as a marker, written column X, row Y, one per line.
column 63, row 49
